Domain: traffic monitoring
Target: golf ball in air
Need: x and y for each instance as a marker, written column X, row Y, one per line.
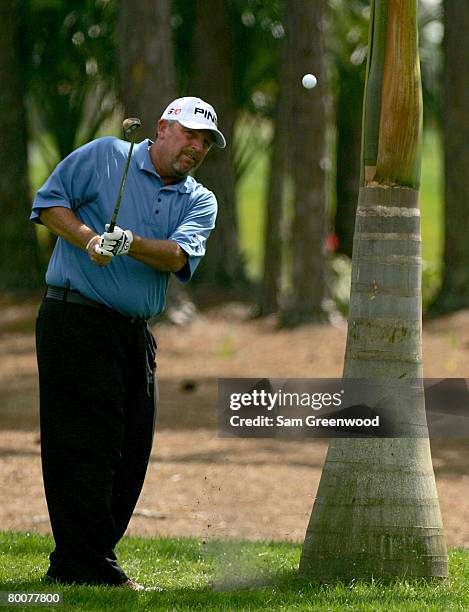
column 309, row 81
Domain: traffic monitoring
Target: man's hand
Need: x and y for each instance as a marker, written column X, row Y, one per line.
column 115, row 243
column 93, row 253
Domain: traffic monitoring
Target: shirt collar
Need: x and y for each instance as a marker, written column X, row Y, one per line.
column 142, row 157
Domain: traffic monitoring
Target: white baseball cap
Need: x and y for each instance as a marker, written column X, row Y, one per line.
column 195, row 114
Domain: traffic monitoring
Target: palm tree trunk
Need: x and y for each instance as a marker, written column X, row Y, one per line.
column 222, row 267
column 273, row 244
column 19, row 256
column 376, row 512
column 454, row 293
column 147, row 76
column 348, row 119
column 308, row 143
column 147, row 83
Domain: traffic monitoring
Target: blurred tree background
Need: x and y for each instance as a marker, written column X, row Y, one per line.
column 287, row 183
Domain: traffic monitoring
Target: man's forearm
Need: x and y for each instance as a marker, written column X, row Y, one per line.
column 163, row 255
column 63, row 222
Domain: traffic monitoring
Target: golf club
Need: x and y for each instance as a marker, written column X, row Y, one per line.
column 130, row 127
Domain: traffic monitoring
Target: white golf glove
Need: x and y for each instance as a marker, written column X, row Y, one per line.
column 114, row 243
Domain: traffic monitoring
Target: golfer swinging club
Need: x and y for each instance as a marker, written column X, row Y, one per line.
column 96, row 356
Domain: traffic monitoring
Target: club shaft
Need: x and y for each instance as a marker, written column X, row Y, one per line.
column 121, row 191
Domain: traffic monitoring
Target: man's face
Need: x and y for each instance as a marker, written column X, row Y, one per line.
column 181, row 150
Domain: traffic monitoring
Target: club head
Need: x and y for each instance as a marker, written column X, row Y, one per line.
column 131, row 125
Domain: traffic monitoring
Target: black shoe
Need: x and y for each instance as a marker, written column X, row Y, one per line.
column 50, row 579
column 128, row 584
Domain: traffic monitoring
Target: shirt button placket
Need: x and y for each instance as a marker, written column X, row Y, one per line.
column 158, row 203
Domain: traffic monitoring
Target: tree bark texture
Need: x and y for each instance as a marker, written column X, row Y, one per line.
column 19, row 259
column 454, row 293
column 400, row 128
column 348, row 120
column 213, row 81
column 272, row 265
column 147, row 79
column 376, row 512
column 147, row 85
column 305, row 22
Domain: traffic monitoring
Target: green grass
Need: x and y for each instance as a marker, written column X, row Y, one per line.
column 223, row 575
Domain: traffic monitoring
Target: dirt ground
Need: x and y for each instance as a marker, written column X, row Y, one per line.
column 198, row 483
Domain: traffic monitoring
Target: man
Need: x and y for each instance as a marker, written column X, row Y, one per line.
column 96, row 356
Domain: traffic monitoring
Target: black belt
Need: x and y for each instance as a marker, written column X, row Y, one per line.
column 75, row 297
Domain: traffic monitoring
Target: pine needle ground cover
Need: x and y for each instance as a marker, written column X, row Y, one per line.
column 222, row 575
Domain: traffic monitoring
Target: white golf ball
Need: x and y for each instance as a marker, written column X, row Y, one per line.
column 309, row 81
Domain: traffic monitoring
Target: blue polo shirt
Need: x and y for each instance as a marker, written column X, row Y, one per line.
column 88, row 182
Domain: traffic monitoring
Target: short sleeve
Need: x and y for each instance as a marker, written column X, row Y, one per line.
column 194, row 230
column 73, row 182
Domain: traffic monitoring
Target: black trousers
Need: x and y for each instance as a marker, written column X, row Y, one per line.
column 98, row 399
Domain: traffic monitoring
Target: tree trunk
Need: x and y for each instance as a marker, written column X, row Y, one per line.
column 147, row 86
column 454, row 293
column 272, row 266
column 147, row 80
column 376, row 512
column 19, row 259
column 305, row 22
column 213, row 79
column 348, row 120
